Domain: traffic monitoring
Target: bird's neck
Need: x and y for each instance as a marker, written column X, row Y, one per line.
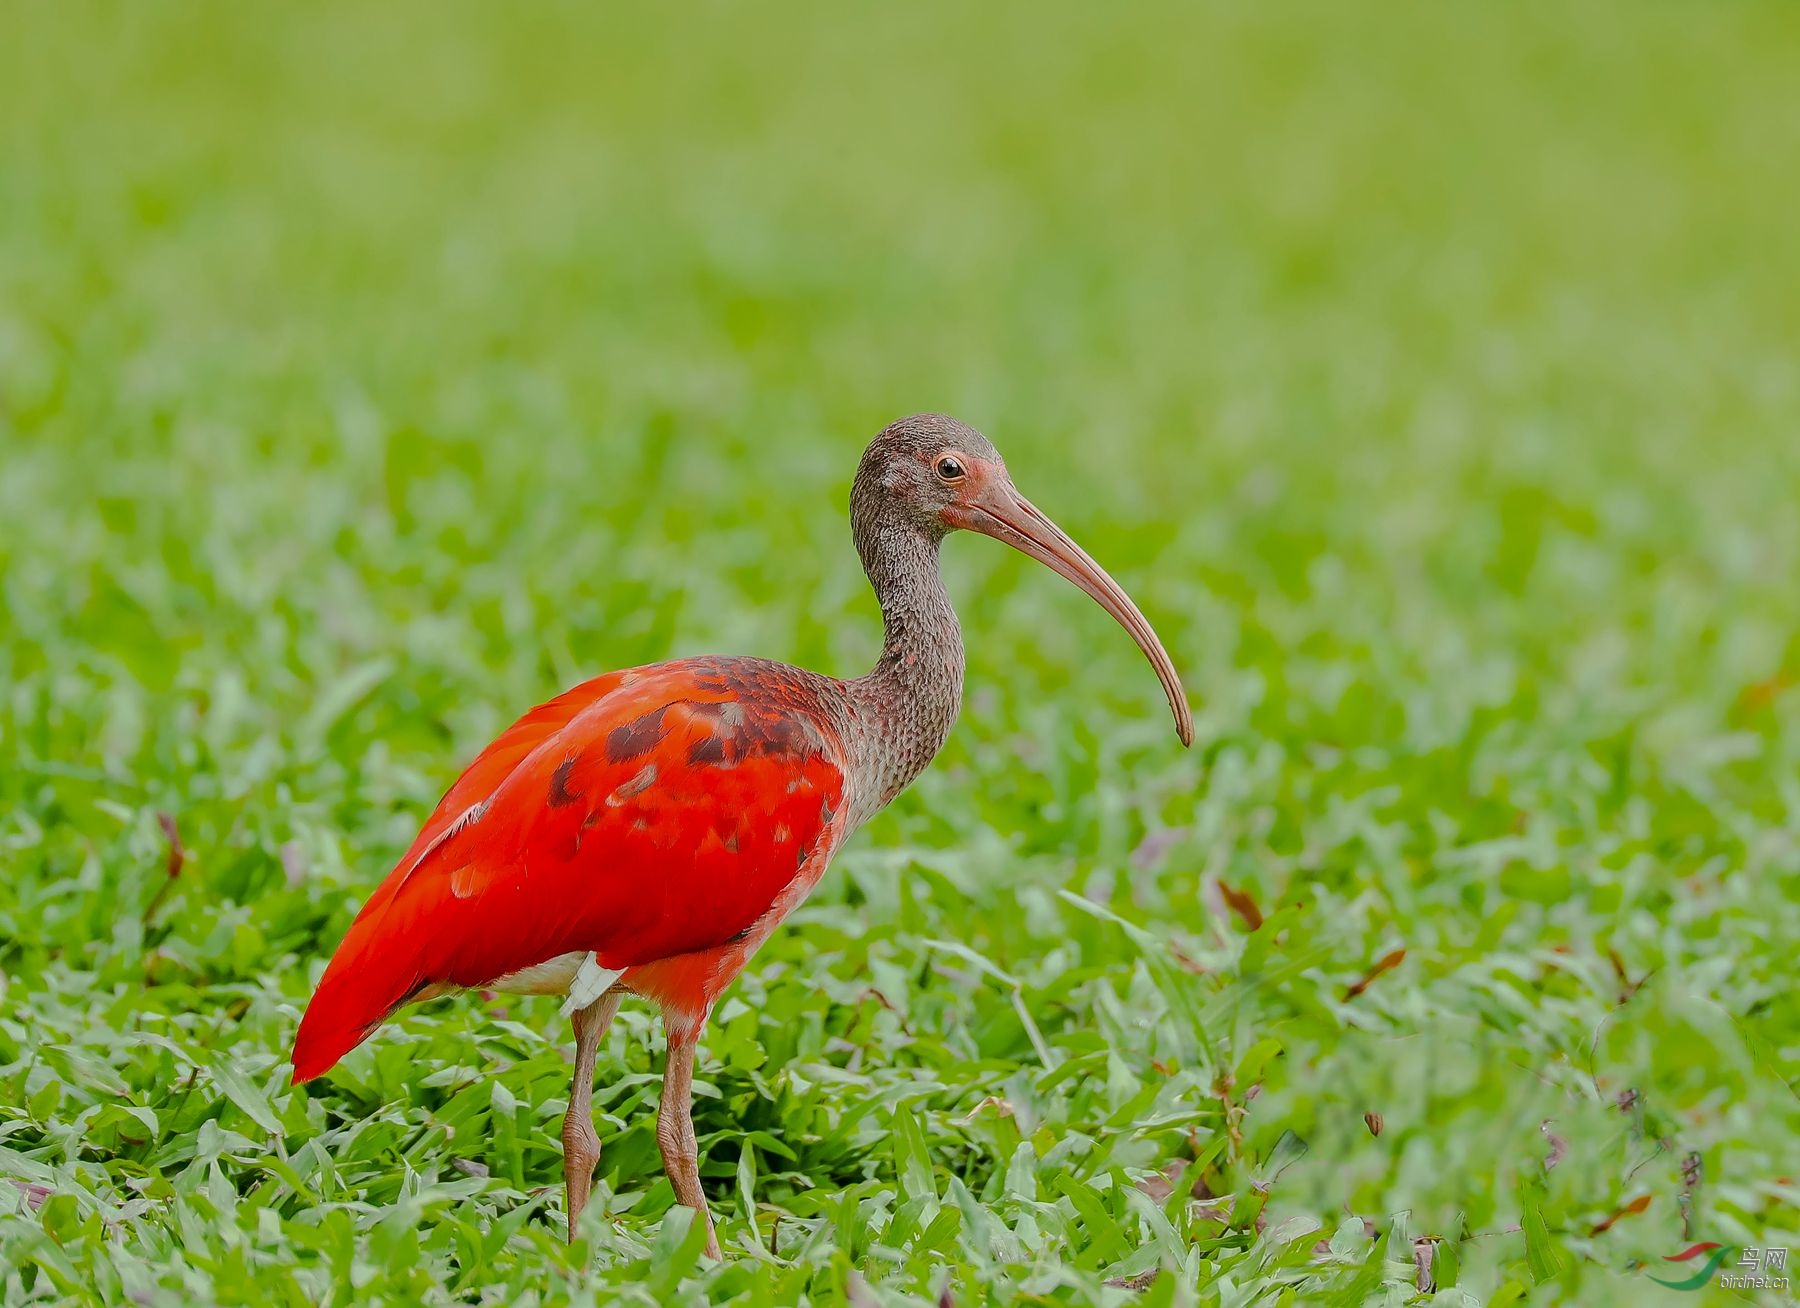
column 904, row 707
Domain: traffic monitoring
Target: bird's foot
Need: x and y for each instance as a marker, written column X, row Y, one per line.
column 581, row 1153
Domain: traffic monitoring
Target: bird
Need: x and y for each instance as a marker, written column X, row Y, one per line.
column 646, row 831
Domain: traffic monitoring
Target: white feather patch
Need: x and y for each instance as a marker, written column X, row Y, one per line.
column 553, row 976
column 591, row 981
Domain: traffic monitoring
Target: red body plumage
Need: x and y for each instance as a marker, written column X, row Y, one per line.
column 663, row 818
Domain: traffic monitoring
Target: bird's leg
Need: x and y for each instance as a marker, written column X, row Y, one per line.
column 675, row 1128
column 581, row 1146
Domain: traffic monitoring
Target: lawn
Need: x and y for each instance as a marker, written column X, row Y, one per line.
column 370, row 374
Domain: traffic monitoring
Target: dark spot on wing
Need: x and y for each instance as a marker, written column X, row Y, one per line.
column 736, row 731
column 783, row 734
column 727, row 711
column 731, row 842
column 826, row 813
column 737, row 936
column 639, row 736
column 707, row 749
column 560, row 794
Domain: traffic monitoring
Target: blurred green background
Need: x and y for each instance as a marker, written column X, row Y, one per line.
column 1428, row 374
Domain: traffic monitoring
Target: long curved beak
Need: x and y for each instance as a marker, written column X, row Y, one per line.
column 1008, row 516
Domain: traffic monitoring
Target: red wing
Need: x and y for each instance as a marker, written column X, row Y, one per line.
column 642, row 815
column 495, row 763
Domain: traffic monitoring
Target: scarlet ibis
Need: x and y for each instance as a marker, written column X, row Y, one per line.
column 649, row 829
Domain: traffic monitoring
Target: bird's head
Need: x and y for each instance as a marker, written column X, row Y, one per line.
column 938, row 475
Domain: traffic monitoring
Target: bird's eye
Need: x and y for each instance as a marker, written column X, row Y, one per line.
column 949, row 468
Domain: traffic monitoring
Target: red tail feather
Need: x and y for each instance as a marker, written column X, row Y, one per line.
column 361, row 986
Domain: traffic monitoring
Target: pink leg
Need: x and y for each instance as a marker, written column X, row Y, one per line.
column 675, row 1128
column 581, row 1146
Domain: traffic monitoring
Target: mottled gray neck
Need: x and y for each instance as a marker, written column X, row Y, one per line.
column 906, row 704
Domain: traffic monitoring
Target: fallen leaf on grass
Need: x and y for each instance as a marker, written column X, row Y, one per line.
column 35, row 1194
column 1386, row 963
column 1631, row 1209
column 1160, row 1185
column 1243, row 905
column 1000, row 1106
column 1559, row 1145
column 1627, row 987
column 1424, row 1252
column 177, row 858
column 1142, row 1281
column 177, row 854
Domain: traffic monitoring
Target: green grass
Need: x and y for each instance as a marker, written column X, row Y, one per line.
column 366, row 378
